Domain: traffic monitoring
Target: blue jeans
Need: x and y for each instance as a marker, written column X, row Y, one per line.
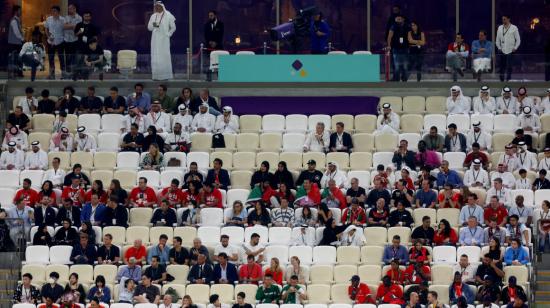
column 400, row 64
column 214, row 112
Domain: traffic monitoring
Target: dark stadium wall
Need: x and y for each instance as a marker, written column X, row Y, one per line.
column 5, row 16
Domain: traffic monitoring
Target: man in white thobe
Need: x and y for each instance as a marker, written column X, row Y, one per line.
column 62, row 141
column 12, row 159
column 133, row 117
column 508, row 179
column 227, row 122
column 18, row 136
column 457, row 103
column 159, row 119
column 476, row 134
column 388, row 121
column 183, row 118
column 509, row 158
column 84, row 142
column 333, row 173
column 476, row 176
column 506, row 102
column 37, row 159
column 545, row 161
column 484, row 103
column 529, row 121
column 162, row 24
column 526, row 160
column 203, row 122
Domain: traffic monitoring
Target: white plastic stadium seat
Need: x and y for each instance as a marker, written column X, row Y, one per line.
column 362, row 176
column 152, row 176
column 304, row 253
column 209, row 235
column 126, row 62
column 182, row 157
column 296, row 123
column 324, row 255
column 201, row 158
column 273, row 123
column 473, row 252
column 382, row 158
column 127, row 160
column 37, row 254
column 486, row 121
column 444, row 254
column 501, row 123
column 455, row 159
column 279, row 235
column 34, row 175
column 108, row 142
column 528, row 195
column 91, row 121
column 211, row 217
column 262, row 231
column 276, row 251
column 412, row 139
column 60, row 254
column 337, row 52
column 215, row 59
column 10, row 178
column 541, row 195
column 293, row 142
column 245, row 53
column 236, row 234
column 111, row 123
column 437, row 120
column 362, row 52
column 316, row 118
column 462, row 122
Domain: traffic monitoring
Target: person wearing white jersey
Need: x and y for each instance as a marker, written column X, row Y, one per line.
column 159, row 119
column 528, row 120
column 484, row 103
column 318, row 140
column 476, row 176
column 184, row 118
column 178, row 140
column 203, row 122
column 387, row 122
column 36, row 159
column 476, row 134
column 227, row 122
column 457, row 103
column 84, row 142
column 507, row 103
column 507, row 41
column 12, row 159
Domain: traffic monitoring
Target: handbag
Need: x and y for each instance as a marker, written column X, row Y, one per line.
column 218, row 141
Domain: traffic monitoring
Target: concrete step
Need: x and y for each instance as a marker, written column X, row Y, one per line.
column 543, row 285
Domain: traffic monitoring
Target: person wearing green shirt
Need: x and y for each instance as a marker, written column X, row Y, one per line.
column 166, row 101
column 268, row 293
column 293, row 293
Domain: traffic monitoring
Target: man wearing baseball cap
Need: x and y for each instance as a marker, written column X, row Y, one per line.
column 359, row 292
column 507, row 102
column 312, row 174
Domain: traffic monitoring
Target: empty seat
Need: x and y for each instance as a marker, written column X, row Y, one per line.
column 455, row 159
column 318, row 157
column 187, row 234
column 437, row 120
column 236, row 234
column 60, row 254
column 127, row 178
column 414, row 104
column 411, row 123
column 85, row 272
column 211, row 217
column 462, row 122
column 108, row 142
column 202, row 159
column 450, row 214
column 224, row 291
column 248, row 142
column 501, row 123
column 396, row 103
column 318, row 293
column 342, row 159
column 198, row 292
column 348, row 255
column 175, row 157
column 42, row 122
column 442, row 274
column 209, row 235
column 293, row 142
column 201, row 142
column 37, row 254
column 137, row 233
column 365, row 123
column 34, row 175
column 108, row 271
column 382, row 158
column 250, row 123
column 91, row 121
column 296, row 123
column 385, row 142
column 304, row 253
column 273, row 123
column 347, row 119
column 363, row 142
column 167, row 176
column 444, row 254
column 403, row 232
column 279, row 235
column 64, row 157
column 436, row 104
column 111, row 123
column 244, row 160
column 375, row 235
column 412, row 139
column 473, row 253
column 226, row 157
column 271, row 157
column 105, row 160
column 127, row 160
column 140, row 217
column 293, row 160
column 271, row 142
column 276, row 251
column 360, row 161
column 324, row 255
column 419, row 213
column 370, row 273
column 156, row 232
column 241, row 179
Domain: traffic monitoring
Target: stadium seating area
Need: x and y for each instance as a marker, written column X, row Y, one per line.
column 271, row 138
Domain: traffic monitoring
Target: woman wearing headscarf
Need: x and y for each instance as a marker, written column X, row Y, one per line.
column 353, row 236
column 331, row 233
column 151, row 138
column 263, row 175
column 162, row 24
column 282, row 175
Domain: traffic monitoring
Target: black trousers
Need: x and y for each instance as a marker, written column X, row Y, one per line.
column 505, row 63
column 70, row 50
column 52, row 49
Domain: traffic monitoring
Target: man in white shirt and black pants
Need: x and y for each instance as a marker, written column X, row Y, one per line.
column 507, row 42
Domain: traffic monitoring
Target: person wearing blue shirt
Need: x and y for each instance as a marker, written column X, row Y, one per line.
column 471, row 209
column 426, row 197
column 225, row 272
column 465, row 291
column 140, row 99
column 396, row 251
column 161, row 250
column 93, row 211
column 320, row 32
column 482, row 50
column 515, row 254
column 100, row 290
column 130, row 271
column 471, row 235
column 447, row 175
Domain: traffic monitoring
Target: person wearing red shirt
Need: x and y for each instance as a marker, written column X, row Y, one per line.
column 211, row 196
column 74, row 192
column 448, row 198
column 354, row 214
column 47, row 190
column 419, row 254
column 27, row 194
column 457, row 53
column 173, row 194
column 275, row 271
column 251, row 272
column 389, row 293
column 193, row 194
column 137, row 251
column 97, row 188
column 417, row 273
column 143, row 195
column 445, row 234
column 396, row 274
column 359, row 292
column 497, row 210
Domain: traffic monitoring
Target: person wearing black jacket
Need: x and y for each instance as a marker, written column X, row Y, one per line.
column 201, row 272
column 164, row 216
column 218, row 176
column 340, row 141
column 230, row 270
column 67, row 235
column 115, row 214
column 263, row 175
column 204, row 97
column 282, row 175
column 330, row 234
column 213, row 31
column 44, row 213
column 77, row 170
column 313, row 175
column 70, row 212
column 400, row 217
column 404, row 157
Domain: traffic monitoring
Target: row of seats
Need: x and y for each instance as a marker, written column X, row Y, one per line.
column 299, row 123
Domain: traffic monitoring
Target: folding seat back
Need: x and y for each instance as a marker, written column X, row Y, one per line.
column 240, row 179
column 108, row 271
column 293, row 142
column 202, row 159
column 85, row 272
column 111, row 123
column 42, row 122
column 411, row 123
column 187, row 234
column 91, row 121
column 244, row 160
column 226, row 157
column 127, row 160
column 385, row 142
column 250, row 123
column 370, row 273
column 444, row 254
column 271, row 157
column 37, row 271
column 156, row 232
column 137, row 233
column 376, row 235
column 225, row 292
column 455, row 159
column 236, row 235
column 179, row 272
column 276, row 251
column 342, row 273
column 347, row 119
column 342, row 159
column 382, row 158
column 316, row 118
column 293, row 160
column 60, row 254
column 201, row 142
column 396, row 103
column 108, row 142
column 501, row 123
column 442, row 274
column 248, row 142
column 249, row 290
column 321, row 274
column 473, row 253
column 414, row 104
column 140, row 217
column 211, row 217
column 363, row 142
column 304, row 253
column 273, row 123
column 437, row 120
column 209, row 235
column 152, row 176
column 105, row 160
column 167, row 176
column 85, row 159
column 271, row 142
column 436, row 104
column 372, row 254
column 419, row 213
column 339, row 293
column 296, row 123
column 324, row 255
column 451, row 215
column 118, row 234
column 319, row 158
column 64, row 157
column 279, row 235
column 362, row 176
column 412, row 139
column 198, row 292
column 365, row 123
